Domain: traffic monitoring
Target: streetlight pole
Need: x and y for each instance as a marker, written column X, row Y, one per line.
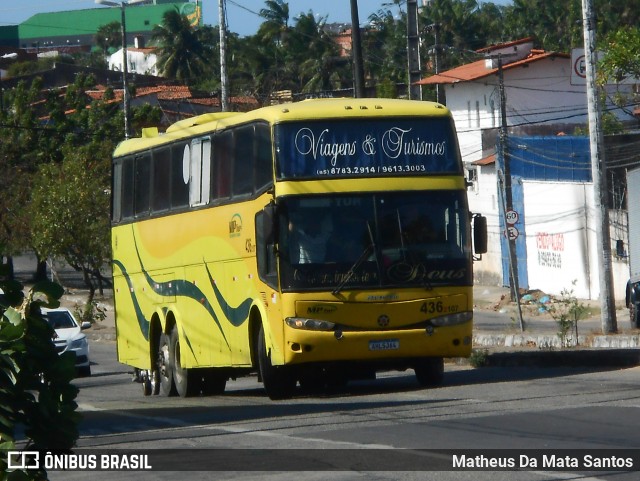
column 125, row 58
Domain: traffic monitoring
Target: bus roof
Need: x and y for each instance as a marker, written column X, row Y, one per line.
column 313, row 109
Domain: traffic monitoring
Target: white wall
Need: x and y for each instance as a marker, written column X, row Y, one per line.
column 483, row 199
column 561, row 243
column 538, row 94
column 561, row 240
column 560, row 237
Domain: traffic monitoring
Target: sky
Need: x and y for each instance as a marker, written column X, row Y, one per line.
column 242, row 15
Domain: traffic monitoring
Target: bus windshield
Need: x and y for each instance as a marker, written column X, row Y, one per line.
column 374, row 240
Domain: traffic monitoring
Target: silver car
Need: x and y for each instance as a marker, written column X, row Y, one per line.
column 69, row 337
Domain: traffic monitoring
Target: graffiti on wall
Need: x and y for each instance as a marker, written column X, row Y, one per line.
column 550, row 249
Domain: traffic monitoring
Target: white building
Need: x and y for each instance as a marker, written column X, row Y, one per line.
column 558, row 244
column 141, row 60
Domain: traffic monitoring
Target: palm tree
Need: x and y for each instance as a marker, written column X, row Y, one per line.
column 183, row 51
column 314, row 56
column 276, row 23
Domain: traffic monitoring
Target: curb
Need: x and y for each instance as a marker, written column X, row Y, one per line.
column 549, row 341
column 567, row 358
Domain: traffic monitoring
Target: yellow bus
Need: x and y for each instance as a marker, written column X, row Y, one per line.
column 311, row 243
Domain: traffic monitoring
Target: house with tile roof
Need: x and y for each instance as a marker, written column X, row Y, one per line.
column 552, row 190
column 140, row 60
column 541, row 98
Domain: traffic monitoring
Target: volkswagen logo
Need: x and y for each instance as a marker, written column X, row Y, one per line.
column 383, row 320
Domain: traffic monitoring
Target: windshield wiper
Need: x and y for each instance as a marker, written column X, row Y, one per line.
column 371, row 248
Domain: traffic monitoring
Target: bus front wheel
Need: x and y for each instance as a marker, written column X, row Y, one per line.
column 186, row 381
column 278, row 380
column 429, row 371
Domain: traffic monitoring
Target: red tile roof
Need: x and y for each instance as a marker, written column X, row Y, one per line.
column 488, row 160
column 477, row 70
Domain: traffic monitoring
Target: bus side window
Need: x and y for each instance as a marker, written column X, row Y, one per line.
column 263, row 157
column 200, row 171
column 243, row 161
column 220, row 165
column 116, row 189
column 126, row 188
column 179, row 178
column 142, row 185
column 161, row 189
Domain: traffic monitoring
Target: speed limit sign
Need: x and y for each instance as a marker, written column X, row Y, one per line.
column 512, row 217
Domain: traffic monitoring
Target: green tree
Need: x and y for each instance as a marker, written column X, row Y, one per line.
column 385, row 48
column 621, row 58
column 20, row 137
column 36, row 394
column 276, row 24
column 109, row 37
column 69, row 211
column 183, row 52
column 313, row 58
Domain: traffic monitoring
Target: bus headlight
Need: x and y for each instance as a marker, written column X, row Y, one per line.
column 452, row 319
column 309, row 324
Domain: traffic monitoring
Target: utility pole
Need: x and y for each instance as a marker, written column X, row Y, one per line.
column 507, row 195
column 224, row 93
column 435, row 27
column 125, row 74
column 356, row 49
column 413, row 50
column 598, row 172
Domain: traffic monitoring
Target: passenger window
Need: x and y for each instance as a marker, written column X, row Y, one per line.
column 161, row 200
column 179, row 177
column 116, row 189
column 263, row 156
column 220, row 166
column 200, row 162
column 243, row 165
column 142, row 182
column 127, row 188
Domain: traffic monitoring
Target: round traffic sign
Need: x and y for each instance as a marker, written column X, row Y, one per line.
column 512, row 217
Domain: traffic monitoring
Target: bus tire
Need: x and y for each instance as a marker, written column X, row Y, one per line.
column 429, row 371
column 278, row 380
column 634, row 315
column 164, row 367
column 186, row 381
column 150, row 381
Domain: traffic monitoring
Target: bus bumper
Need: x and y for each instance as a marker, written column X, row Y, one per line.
column 303, row 346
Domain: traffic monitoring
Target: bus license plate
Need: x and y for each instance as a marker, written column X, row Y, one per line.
column 384, row 345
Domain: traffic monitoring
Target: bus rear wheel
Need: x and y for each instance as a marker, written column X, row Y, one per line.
column 634, row 315
column 429, row 371
column 163, row 367
column 279, row 383
column 186, row 381
column 150, row 381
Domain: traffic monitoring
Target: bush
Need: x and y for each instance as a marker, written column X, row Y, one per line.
column 36, row 394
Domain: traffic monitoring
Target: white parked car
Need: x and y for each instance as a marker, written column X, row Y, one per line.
column 69, row 337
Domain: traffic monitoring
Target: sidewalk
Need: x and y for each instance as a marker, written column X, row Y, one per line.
column 498, row 331
column 497, row 323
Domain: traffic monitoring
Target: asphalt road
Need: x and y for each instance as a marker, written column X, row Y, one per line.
column 515, row 411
